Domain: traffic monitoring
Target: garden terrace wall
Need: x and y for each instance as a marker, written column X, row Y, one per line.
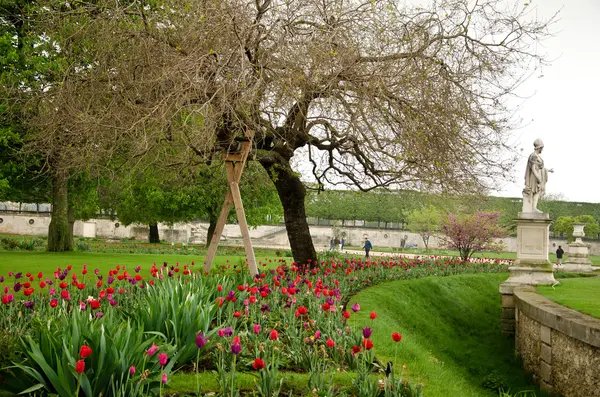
column 559, row 346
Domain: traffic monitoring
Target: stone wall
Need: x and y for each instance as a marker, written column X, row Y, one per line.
column 559, row 346
column 273, row 235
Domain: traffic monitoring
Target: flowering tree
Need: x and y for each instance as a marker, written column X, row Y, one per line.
column 473, row 232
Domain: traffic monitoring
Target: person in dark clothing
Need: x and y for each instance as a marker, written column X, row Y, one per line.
column 367, row 247
column 559, row 255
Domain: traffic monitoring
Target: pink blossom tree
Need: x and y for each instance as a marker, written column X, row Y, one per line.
column 468, row 233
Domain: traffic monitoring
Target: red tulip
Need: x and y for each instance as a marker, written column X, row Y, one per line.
column 346, row 314
column 330, row 342
column 258, row 364
column 368, row 344
column 274, row 335
column 85, row 351
column 396, row 337
column 80, row 366
column 373, row 315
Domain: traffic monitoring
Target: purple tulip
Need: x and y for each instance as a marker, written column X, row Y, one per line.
column 236, row 348
column 200, row 340
column 355, row 307
column 17, row 287
column 99, row 315
column 228, row 331
column 367, row 332
column 29, row 304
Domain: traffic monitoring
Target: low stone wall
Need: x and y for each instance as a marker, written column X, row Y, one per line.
column 274, row 235
column 559, row 346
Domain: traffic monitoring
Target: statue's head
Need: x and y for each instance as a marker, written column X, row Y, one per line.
column 538, row 144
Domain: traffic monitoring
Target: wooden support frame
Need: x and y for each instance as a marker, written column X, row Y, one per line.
column 234, row 165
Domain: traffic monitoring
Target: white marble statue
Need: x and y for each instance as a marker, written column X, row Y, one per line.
column 536, row 177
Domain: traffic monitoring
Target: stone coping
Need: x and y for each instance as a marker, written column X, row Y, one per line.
column 567, row 321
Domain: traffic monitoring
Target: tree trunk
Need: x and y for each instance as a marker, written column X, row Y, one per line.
column 71, row 218
column 153, row 235
column 291, row 193
column 60, row 238
column 212, row 225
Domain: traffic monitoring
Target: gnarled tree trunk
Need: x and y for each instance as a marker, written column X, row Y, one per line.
column 212, row 225
column 153, row 236
column 60, row 236
column 291, row 193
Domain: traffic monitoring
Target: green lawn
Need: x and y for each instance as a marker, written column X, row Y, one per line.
column 36, row 261
column 579, row 294
column 452, row 340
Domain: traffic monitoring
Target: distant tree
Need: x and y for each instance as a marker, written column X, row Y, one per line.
column 469, row 233
column 183, row 195
column 426, row 222
column 559, row 196
column 564, row 224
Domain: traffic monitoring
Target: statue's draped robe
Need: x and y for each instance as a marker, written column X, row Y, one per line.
column 536, row 175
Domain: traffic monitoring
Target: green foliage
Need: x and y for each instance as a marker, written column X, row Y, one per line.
column 426, row 222
column 396, row 206
column 116, row 346
column 179, row 310
column 24, row 244
column 149, row 196
column 564, row 224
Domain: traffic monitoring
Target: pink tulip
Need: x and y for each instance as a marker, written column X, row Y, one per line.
column 162, row 358
column 153, row 349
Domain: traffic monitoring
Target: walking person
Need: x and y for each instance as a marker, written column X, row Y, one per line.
column 559, row 255
column 331, row 244
column 367, row 247
column 342, row 244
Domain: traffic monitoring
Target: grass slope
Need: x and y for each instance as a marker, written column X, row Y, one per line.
column 579, row 294
column 451, row 327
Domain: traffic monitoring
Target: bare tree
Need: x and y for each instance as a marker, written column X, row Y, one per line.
column 373, row 93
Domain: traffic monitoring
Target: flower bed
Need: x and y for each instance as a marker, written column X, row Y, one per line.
column 123, row 333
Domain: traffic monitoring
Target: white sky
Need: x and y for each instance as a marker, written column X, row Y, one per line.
column 564, row 108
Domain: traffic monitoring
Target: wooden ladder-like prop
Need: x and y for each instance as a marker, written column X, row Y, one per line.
column 234, row 165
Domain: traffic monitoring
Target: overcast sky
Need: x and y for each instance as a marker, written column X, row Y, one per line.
column 564, row 110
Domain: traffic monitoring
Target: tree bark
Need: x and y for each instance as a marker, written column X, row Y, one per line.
column 212, row 225
column 60, row 237
column 153, row 236
column 71, row 218
column 291, row 192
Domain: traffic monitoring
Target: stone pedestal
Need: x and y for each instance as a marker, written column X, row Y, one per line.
column 578, row 260
column 532, row 266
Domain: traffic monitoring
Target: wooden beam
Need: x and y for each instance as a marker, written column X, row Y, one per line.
column 241, row 216
column 234, row 165
column 216, row 237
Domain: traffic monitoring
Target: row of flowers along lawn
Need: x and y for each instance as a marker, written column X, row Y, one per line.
column 123, row 333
